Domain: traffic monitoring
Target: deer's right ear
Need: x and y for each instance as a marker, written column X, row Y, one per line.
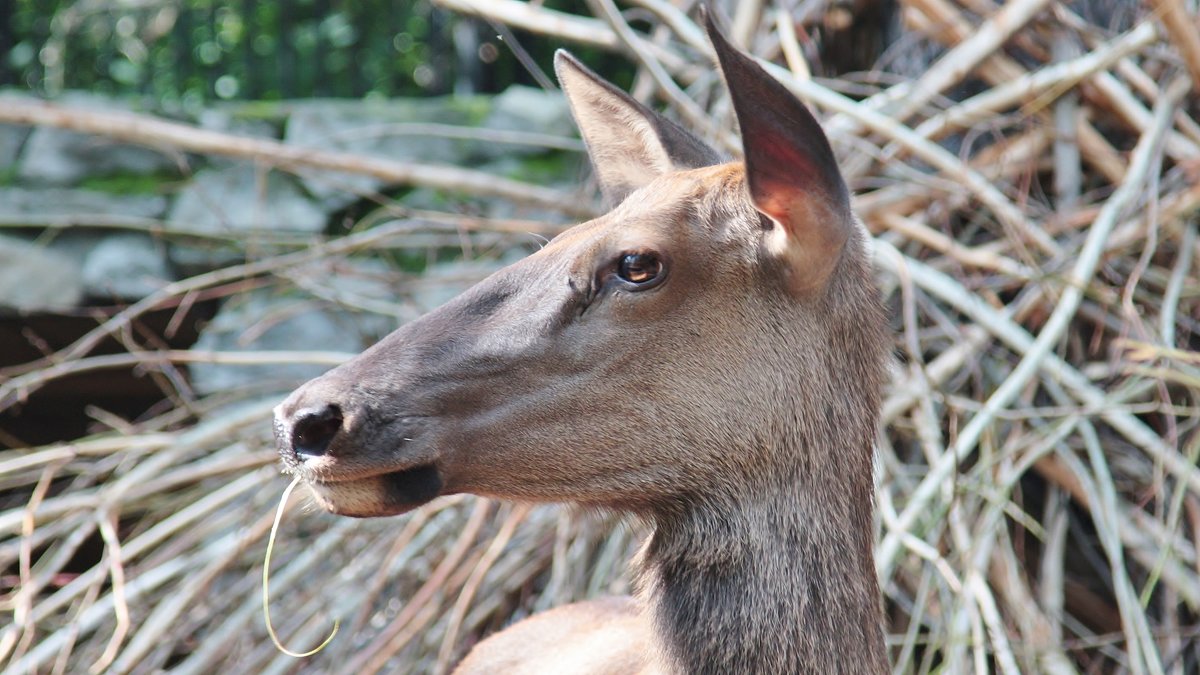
column 790, row 168
column 628, row 143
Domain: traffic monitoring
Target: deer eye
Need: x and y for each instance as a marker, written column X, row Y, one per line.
column 639, row 268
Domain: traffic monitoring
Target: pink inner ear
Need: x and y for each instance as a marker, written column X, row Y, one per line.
column 772, row 201
column 782, row 177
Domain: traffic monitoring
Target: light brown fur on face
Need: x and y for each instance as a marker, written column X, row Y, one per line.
column 730, row 401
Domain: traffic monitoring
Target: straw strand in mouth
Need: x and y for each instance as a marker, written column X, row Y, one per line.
column 266, row 576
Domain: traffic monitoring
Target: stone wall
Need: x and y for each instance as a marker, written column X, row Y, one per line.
column 89, row 222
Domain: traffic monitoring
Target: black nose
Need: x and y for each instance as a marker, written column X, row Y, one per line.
column 315, row 429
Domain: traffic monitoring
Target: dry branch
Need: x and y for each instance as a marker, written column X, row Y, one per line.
column 155, row 132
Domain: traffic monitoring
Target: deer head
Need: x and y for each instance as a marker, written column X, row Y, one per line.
column 715, row 334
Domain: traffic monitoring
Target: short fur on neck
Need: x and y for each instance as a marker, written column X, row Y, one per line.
column 775, row 574
column 796, row 597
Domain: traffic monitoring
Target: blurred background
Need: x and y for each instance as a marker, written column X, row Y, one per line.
column 189, row 53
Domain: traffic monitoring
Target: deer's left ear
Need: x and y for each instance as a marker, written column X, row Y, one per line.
column 790, row 169
column 628, row 143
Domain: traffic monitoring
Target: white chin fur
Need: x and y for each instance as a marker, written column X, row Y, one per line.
column 362, row 498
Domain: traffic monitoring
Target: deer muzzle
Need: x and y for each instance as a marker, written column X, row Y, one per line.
column 355, row 462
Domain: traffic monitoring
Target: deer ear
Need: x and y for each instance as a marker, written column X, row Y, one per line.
column 790, row 169
column 628, row 143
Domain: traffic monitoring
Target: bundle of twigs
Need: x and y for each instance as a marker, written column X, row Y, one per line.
column 1032, row 189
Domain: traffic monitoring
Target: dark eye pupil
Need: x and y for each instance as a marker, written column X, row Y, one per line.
column 639, row 268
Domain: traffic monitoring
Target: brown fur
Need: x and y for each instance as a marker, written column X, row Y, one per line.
column 565, row 640
column 733, row 406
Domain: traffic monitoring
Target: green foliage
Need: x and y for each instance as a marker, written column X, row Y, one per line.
column 474, row 109
column 204, row 49
column 185, row 52
column 128, row 184
column 547, row 167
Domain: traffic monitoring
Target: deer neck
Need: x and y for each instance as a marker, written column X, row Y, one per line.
column 781, row 581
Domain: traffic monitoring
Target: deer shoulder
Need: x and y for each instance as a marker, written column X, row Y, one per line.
column 606, row 636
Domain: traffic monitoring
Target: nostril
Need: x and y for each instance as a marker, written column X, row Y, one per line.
column 315, row 429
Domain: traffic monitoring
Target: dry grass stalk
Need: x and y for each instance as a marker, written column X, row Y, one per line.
column 151, row 131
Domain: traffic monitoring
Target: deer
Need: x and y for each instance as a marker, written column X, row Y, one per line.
column 707, row 357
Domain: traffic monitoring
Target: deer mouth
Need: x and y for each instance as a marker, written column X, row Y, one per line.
column 385, row 494
column 378, row 469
